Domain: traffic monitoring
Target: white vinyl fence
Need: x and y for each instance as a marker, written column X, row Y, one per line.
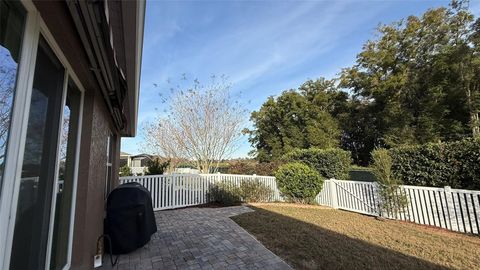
column 181, row 190
column 452, row 209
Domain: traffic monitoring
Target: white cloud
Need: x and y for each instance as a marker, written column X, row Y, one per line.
column 271, row 44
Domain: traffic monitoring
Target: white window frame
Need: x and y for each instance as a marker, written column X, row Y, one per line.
column 34, row 28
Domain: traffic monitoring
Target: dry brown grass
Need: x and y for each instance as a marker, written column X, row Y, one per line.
column 321, row 238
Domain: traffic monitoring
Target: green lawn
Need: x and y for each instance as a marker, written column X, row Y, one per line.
column 315, row 237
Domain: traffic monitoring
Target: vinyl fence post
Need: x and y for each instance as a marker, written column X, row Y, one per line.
column 333, row 192
column 173, row 192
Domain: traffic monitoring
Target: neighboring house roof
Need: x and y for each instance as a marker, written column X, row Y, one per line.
column 141, row 156
column 124, row 154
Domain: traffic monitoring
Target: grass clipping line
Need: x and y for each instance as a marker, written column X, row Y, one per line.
column 322, row 238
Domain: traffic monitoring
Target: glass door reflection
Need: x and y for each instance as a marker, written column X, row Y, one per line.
column 39, row 162
column 66, row 176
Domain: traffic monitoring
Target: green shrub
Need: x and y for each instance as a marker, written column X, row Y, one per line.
column 455, row 164
column 156, row 166
column 299, row 182
column 382, row 167
column 361, row 174
column 255, row 191
column 125, row 171
column 224, row 193
column 249, row 167
column 392, row 198
column 330, row 163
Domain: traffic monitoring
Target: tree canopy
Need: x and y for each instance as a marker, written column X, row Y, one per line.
column 297, row 119
column 417, row 81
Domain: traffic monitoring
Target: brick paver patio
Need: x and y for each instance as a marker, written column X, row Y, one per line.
column 201, row 238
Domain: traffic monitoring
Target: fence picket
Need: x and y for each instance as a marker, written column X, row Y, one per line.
column 476, row 210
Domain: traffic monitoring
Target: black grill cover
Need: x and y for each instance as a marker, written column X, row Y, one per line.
column 130, row 220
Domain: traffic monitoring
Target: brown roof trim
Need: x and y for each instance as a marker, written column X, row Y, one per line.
column 133, row 29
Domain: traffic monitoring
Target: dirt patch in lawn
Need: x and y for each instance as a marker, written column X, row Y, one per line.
column 321, row 238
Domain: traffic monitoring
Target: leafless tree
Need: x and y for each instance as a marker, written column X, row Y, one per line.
column 158, row 141
column 65, row 129
column 8, row 72
column 203, row 124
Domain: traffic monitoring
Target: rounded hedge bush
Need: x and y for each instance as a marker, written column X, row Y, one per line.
column 299, row 182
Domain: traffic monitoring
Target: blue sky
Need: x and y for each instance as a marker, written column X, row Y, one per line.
column 264, row 47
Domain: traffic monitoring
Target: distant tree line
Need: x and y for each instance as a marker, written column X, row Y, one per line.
column 417, row 81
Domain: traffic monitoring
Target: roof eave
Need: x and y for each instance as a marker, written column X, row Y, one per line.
column 133, row 23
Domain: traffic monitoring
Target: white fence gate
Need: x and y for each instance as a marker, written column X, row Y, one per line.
column 452, row 209
column 349, row 195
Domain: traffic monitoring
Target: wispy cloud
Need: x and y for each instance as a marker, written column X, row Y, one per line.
column 263, row 46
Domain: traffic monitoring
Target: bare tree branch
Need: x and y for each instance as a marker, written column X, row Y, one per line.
column 203, row 125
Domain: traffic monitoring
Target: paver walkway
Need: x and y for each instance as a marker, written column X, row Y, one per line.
column 201, row 238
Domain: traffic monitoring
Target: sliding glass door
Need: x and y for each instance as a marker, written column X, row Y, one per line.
column 41, row 103
column 39, row 163
column 44, row 213
column 66, row 178
column 12, row 24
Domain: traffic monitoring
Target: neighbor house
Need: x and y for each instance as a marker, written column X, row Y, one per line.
column 69, row 86
column 137, row 163
column 124, row 159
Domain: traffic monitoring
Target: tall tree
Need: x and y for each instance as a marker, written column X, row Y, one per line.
column 418, row 81
column 296, row 119
column 359, row 132
column 203, row 124
column 420, row 78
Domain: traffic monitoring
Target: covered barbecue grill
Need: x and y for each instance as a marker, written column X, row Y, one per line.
column 130, row 220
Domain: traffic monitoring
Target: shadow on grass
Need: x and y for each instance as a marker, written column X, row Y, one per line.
column 306, row 246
